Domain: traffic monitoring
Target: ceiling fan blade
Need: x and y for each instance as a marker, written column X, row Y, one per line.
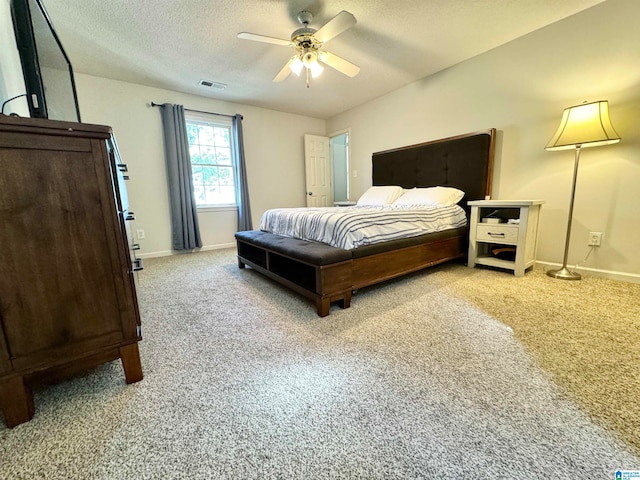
column 335, row 26
column 338, row 63
column 284, row 73
column 262, row 38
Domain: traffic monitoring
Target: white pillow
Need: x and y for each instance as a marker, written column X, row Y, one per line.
column 431, row 196
column 378, row 196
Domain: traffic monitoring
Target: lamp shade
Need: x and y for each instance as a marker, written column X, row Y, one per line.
column 310, row 61
column 296, row 65
column 586, row 125
column 316, row 69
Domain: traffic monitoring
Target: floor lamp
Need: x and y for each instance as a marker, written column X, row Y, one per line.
column 582, row 126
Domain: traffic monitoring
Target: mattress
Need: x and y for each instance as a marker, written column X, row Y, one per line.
column 355, row 227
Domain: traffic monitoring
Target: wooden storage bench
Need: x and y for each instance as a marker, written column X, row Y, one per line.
column 328, row 274
column 317, row 271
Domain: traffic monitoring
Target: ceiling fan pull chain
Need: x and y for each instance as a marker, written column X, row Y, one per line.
column 307, row 77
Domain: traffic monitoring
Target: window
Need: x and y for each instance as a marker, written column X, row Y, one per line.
column 212, row 160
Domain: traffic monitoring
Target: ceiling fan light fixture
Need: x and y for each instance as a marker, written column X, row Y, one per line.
column 309, row 58
column 296, row 65
column 308, row 42
column 310, row 61
column 316, row 69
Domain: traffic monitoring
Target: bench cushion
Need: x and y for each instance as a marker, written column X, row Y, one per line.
column 313, row 253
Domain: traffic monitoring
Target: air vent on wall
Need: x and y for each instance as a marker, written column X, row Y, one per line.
column 211, row 84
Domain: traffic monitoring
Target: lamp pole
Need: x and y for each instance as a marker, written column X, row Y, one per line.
column 564, row 273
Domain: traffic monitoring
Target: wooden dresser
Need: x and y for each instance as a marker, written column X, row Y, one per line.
column 67, row 286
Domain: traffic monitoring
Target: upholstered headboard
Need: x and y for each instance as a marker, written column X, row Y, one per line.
column 464, row 162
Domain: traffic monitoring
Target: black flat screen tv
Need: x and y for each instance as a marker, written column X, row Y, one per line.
column 47, row 71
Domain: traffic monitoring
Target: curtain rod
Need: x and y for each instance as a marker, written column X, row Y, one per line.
column 153, row 104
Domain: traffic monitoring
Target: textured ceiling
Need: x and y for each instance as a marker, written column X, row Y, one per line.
column 172, row 44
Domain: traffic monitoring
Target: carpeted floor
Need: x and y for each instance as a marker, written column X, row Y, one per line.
column 447, row 373
column 586, row 334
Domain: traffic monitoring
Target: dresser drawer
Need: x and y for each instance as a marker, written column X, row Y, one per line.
column 497, row 233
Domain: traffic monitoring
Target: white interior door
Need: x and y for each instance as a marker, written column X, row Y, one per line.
column 317, row 160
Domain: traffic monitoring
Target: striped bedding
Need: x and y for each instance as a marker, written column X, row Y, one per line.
column 353, row 227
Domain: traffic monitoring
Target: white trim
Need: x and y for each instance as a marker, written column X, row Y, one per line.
column 219, row 246
column 208, row 118
column 345, row 131
column 168, row 253
column 215, row 208
column 165, row 253
column 340, row 132
column 597, row 272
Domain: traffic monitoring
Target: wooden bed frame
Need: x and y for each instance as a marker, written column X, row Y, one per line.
column 328, row 274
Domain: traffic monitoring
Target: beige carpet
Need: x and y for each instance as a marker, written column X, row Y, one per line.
column 586, row 334
column 447, row 373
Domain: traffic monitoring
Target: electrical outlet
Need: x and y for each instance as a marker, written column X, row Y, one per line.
column 595, row 239
column 140, row 234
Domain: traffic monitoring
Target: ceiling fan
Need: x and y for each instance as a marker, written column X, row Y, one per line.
column 308, row 43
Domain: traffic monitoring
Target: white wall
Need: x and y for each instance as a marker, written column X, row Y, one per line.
column 11, row 81
column 274, row 146
column 273, row 142
column 521, row 89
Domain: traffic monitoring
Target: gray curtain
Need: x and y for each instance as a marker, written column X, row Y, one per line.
column 242, row 190
column 185, row 232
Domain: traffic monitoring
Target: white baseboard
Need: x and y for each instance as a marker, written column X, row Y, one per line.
column 596, row 272
column 167, row 253
column 220, row 246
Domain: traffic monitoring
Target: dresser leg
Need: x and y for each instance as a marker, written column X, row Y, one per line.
column 130, row 356
column 16, row 401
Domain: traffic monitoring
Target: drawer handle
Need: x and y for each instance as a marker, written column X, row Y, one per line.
column 135, row 246
column 123, row 167
column 495, row 234
column 137, row 265
column 125, row 177
column 130, row 216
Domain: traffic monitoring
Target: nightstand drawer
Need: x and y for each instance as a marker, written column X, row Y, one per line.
column 497, row 233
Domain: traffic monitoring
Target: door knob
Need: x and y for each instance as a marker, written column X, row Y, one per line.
column 310, row 193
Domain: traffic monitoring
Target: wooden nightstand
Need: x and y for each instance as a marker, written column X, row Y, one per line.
column 489, row 243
